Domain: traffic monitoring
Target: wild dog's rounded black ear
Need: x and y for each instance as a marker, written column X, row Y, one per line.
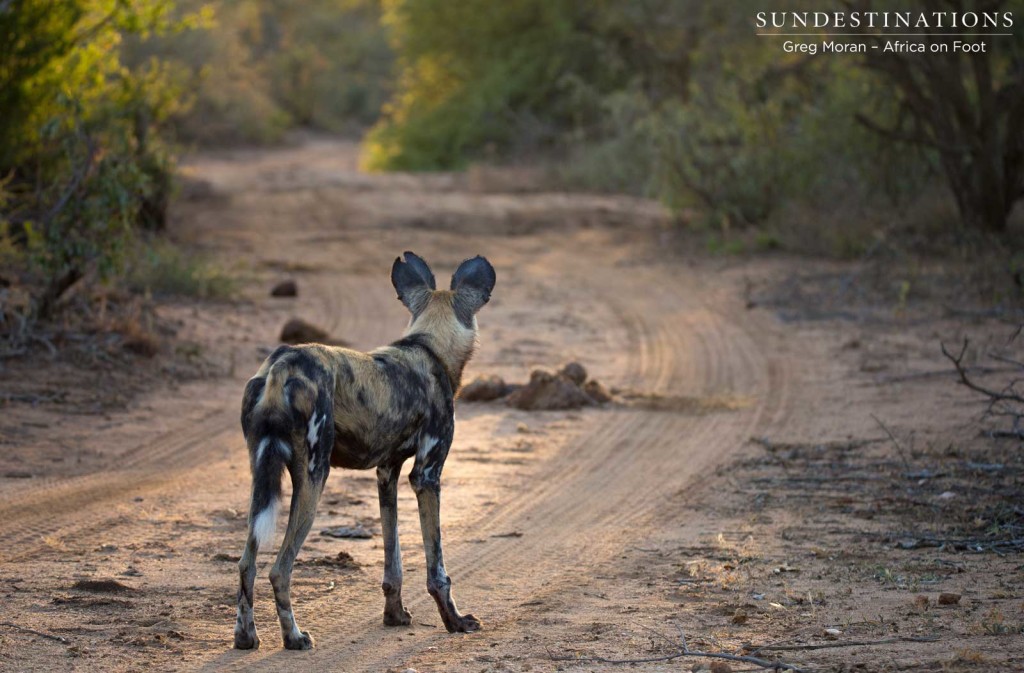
column 413, row 280
column 472, row 284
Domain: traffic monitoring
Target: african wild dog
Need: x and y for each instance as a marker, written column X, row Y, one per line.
column 313, row 407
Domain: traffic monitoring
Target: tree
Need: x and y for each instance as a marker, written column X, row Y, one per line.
column 966, row 106
column 79, row 161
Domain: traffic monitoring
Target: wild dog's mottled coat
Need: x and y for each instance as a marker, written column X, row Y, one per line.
column 313, row 407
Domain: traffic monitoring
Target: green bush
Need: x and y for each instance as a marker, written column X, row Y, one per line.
column 160, row 267
column 259, row 68
column 80, row 142
column 476, row 74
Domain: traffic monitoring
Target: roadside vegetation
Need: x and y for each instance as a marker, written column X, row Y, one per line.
column 875, row 156
column 677, row 99
column 99, row 97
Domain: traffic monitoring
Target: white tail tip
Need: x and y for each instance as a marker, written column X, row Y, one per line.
column 264, row 525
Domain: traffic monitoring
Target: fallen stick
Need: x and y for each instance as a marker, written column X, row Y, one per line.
column 25, row 629
column 684, row 651
column 849, row 643
column 895, row 442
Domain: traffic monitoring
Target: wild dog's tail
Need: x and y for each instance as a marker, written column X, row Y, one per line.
column 267, row 468
column 285, row 419
column 268, row 423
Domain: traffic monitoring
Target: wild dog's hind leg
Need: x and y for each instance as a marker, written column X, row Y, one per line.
column 245, row 624
column 426, row 481
column 387, row 491
column 305, row 494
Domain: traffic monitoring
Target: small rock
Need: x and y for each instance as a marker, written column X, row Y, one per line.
column 833, row 632
column 947, row 495
column 140, row 342
column 286, row 288
column 194, row 189
column 357, row 531
column 949, row 599
column 484, row 389
column 575, row 372
column 342, row 560
column 597, row 392
column 102, row 586
column 298, row 331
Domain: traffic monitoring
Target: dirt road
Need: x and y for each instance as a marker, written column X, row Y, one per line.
column 129, row 556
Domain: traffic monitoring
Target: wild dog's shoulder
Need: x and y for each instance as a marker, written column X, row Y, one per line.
column 416, row 354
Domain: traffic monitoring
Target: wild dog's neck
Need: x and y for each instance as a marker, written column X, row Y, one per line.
column 453, row 348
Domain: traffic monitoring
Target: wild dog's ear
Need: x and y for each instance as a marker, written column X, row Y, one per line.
column 413, row 281
column 472, row 284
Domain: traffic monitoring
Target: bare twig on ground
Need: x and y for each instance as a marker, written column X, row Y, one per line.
column 970, row 544
column 895, row 442
column 1008, row 402
column 683, row 650
column 849, row 643
column 41, row 634
column 835, row 445
column 941, row 373
column 1008, row 394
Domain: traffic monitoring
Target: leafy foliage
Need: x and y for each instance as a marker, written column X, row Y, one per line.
column 678, row 99
column 476, row 74
column 82, row 162
column 261, row 67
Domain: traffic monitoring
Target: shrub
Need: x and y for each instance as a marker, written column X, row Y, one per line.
column 79, row 145
column 160, row 267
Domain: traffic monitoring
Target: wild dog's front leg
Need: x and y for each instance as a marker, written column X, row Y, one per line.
column 426, row 481
column 387, row 492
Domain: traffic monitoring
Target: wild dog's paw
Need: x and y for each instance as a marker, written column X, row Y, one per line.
column 401, row 617
column 464, row 624
column 303, row 642
column 246, row 641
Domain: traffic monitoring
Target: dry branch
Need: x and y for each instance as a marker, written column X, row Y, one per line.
column 1008, row 394
column 1007, row 402
column 41, row 634
column 849, row 643
column 683, row 650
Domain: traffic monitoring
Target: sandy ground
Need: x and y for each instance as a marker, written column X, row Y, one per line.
column 572, row 535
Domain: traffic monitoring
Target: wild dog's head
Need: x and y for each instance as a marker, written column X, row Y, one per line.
column 447, row 317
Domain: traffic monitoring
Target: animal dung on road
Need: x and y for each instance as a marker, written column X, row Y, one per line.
column 575, row 372
column 549, row 391
column 298, row 331
column 342, row 560
column 597, row 392
column 357, row 532
column 485, row 389
column 104, row 586
column 566, row 388
column 285, row 288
